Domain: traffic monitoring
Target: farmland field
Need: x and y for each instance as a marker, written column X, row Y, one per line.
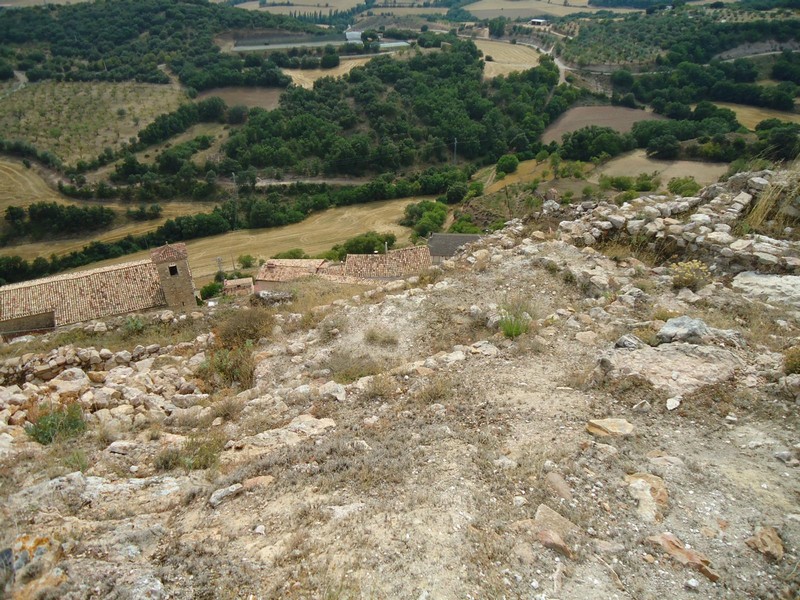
column 618, row 118
column 248, row 96
column 512, row 9
column 302, row 7
column 316, row 234
column 750, row 116
column 148, row 156
column 20, row 186
column 79, row 120
column 506, row 58
column 636, row 162
column 306, row 77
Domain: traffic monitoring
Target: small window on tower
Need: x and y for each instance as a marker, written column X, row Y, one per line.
column 173, row 270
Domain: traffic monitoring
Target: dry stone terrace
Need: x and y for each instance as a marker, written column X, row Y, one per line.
column 701, row 226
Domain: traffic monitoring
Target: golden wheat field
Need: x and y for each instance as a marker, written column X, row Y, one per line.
column 316, row 234
column 306, row 77
column 77, row 121
column 636, row 162
column 506, row 58
column 750, row 116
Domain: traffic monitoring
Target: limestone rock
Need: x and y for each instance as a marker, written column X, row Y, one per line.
column 220, row 495
column 559, row 485
column 767, row 541
column 609, row 427
column 651, row 494
column 686, row 556
column 333, row 390
column 683, row 329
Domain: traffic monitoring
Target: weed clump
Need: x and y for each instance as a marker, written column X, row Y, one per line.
column 58, row 423
column 236, row 328
column 198, row 452
column 380, row 337
column 691, row 274
column 228, row 366
column 516, row 317
column 791, row 360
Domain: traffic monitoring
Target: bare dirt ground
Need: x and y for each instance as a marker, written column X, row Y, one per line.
column 267, row 98
column 618, row 118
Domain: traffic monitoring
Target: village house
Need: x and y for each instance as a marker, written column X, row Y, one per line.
column 395, row 264
column 238, row 287
column 163, row 280
column 281, row 270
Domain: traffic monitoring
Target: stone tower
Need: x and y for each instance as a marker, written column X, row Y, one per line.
column 172, row 262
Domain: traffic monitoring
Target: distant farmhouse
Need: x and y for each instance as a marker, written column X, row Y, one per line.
column 163, row 280
column 445, row 245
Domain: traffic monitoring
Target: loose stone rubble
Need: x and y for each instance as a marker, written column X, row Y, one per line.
column 639, row 441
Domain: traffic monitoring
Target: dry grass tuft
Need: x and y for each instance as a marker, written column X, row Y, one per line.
column 438, row 390
column 347, row 367
column 380, row 337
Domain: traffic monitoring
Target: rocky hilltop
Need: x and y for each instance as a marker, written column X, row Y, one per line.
column 606, row 409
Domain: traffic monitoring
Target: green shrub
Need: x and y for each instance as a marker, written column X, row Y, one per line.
column 210, row 290
column 133, row 325
column 246, row 261
column 683, row 186
column 198, row 452
column 508, row 163
column 791, row 360
column 57, row 423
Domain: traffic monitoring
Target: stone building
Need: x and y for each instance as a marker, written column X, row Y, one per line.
column 445, row 245
column 164, row 280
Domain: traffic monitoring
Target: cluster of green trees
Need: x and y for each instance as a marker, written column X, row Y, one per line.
column 50, row 218
column 120, row 40
column 671, row 92
column 365, row 243
column 392, row 114
column 144, row 213
column 787, row 67
column 27, row 151
column 425, row 217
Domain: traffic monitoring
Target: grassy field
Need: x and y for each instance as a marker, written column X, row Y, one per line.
column 750, row 116
column 618, row 118
column 637, row 162
column 248, row 96
column 79, row 120
column 316, row 234
column 306, row 77
column 512, row 9
column 506, row 58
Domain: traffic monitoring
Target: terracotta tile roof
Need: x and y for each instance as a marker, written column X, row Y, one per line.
column 85, row 295
column 396, row 263
column 169, row 253
column 289, row 269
